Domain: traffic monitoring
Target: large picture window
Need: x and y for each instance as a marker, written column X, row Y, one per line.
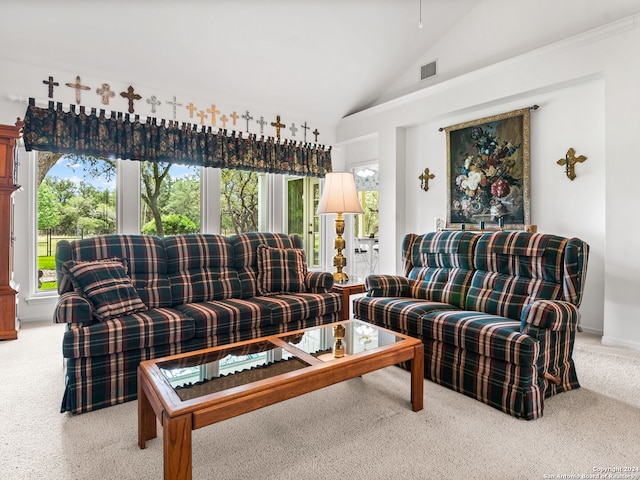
column 76, row 198
column 170, row 197
column 239, row 201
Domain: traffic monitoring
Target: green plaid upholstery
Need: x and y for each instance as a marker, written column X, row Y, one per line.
column 145, row 258
column 506, row 386
column 201, row 291
column 222, row 317
column 281, row 270
column 287, row 307
column 106, row 285
column 386, row 286
column 514, row 269
column 101, row 381
column 496, row 312
column 73, row 308
column 200, row 268
column 318, row 282
column 245, row 255
column 158, row 326
column 439, row 266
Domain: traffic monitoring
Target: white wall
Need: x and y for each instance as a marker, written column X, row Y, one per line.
column 587, row 90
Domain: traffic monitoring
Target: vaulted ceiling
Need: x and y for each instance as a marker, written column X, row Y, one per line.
column 320, row 59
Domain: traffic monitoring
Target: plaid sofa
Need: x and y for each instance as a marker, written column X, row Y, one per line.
column 497, row 312
column 129, row 298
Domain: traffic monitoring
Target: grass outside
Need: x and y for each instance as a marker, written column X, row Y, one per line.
column 47, row 263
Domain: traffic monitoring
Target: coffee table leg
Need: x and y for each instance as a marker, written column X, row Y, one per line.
column 417, row 378
column 177, row 447
column 146, row 417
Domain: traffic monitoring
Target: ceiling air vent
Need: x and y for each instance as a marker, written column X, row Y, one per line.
column 428, row 70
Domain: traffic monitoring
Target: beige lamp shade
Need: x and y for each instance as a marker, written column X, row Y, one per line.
column 339, row 194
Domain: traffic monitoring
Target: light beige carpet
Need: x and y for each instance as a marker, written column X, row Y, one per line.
column 360, row 429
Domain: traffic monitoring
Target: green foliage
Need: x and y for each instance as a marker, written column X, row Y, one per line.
column 48, row 212
column 162, row 195
column 173, row 223
column 239, row 201
column 69, row 208
column 295, row 197
column 370, row 207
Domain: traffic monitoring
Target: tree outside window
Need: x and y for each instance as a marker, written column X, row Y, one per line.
column 75, row 198
column 239, row 201
column 170, row 204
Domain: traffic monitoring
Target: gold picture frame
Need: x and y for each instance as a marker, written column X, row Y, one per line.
column 488, row 172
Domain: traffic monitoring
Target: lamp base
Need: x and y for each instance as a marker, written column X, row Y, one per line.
column 340, row 277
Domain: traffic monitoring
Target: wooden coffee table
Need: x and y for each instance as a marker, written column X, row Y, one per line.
column 230, row 380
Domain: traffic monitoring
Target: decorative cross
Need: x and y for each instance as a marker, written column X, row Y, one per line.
column 248, row 118
column 224, row 121
column 153, row 101
column 305, row 130
column 293, row 129
column 234, row 117
column 424, row 179
column 213, row 113
column 106, row 93
column 262, row 123
column 316, row 133
column 569, row 162
column 131, row 96
column 51, row 84
column 78, row 86
column 202, row 114
column 174, row 104
column 191, row 107
column 278, row 126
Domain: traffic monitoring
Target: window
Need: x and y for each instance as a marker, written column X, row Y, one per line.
column 170, row 197
column 303, row 195
column 239, row 201
column 367, row 224
column 75, row 199
column 366, row 179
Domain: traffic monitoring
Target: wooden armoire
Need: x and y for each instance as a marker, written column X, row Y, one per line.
column 8, row 184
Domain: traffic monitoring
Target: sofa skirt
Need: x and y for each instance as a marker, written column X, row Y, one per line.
column 102, row 381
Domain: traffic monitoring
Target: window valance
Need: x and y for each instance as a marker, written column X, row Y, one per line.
column 118, row 136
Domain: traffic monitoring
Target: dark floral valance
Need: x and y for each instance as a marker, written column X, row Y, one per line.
column 118, row 136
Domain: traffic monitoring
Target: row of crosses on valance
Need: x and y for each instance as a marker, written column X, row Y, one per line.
column 98, row 134
column 210, row 115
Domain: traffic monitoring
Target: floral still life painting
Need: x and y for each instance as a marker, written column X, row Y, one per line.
column 488, row 171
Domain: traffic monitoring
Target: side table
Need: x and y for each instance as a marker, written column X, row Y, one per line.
column 348, row 288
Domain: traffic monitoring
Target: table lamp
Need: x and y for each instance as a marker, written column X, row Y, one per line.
column 339, row 196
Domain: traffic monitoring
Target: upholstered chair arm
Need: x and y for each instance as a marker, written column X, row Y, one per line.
column 73, row 308
column 318, row 282
column 553, row 315
column 387, row 286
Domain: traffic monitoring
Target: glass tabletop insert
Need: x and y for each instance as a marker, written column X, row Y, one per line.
column 212, row 372
column 359, row 337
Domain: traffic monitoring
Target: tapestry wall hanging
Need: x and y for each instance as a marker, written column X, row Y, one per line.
column 488, row 171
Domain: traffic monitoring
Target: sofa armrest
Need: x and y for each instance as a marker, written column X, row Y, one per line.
column 73, row 308
column 318, row 282
column 387, row 286
column 553, row 315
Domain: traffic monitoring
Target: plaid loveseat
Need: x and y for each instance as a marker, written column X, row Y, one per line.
column 497, row 312
column 129, row 298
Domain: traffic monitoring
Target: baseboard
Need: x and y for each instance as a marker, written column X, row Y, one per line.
column 617, row 342
column 592, row 331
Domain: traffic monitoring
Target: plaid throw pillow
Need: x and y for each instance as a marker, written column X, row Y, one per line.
column 106, row 285
column 281, row 270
